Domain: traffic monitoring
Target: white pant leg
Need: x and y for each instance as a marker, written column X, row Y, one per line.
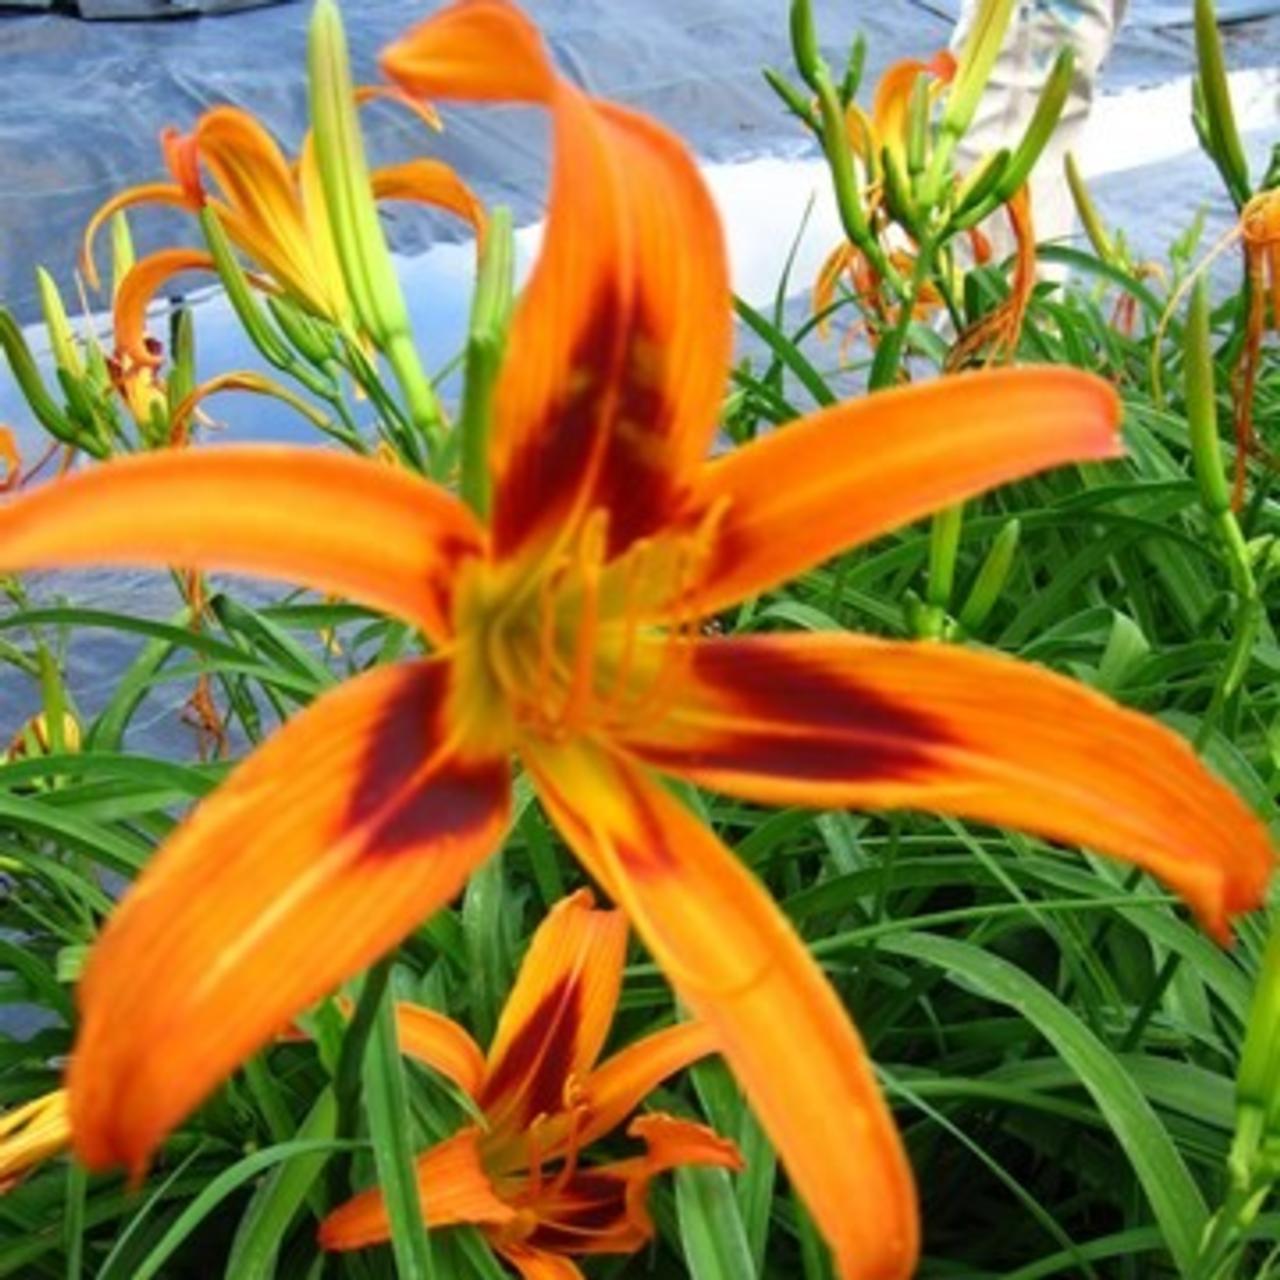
column 1037, row 30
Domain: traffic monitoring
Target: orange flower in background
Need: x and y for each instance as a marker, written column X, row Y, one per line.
column 999, row 331
column 870, row 136
column 32, row 1134
column 1259, row 230
column 565, row 631
column 886, row 127
column 518, row 1174
column 274, row 212
column 10, row 460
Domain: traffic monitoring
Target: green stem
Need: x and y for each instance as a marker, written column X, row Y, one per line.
column 888, row 362
column 486, row 341
column 347, row 1074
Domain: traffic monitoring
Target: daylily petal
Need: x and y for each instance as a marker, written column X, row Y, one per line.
column 254, row 177
column 739, row 966
column 559, row 1012
column 893, row 96
column 836, row 263
column 337, row 524
column 535, row 1264
column 441, row 1044
column 453, row 1187
column 31, row 1134
column 861, row 468
column 166, row 193
column 352, row 824
column 609, row 1095
column 430, row 182
column 603, row 1209
column 624, row 1079
column 10, row 460
column 892, row 99
column 425, row 112
column 836, row 720
column 619, row 350
column 139, row 286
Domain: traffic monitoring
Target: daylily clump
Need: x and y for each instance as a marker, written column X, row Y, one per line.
column 880, row 142
column 565, row 620
column 520, row 1173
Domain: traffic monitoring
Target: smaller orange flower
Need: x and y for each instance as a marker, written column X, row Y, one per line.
column 32, row 1134
column 272, row 211
column 870, row 138
column 10, row 460
column 519, row 1175
column 1260, row 231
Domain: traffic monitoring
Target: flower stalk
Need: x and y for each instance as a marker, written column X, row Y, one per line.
column 1216, row 502
column 362, row 248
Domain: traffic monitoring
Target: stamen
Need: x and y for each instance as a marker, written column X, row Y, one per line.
column 577, row 1115
column 535, row 1148
column 582, row 672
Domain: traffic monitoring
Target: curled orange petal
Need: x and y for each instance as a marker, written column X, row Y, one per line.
column 555, row 1021
column 352, row 824
column 839, row 720
column 453, row 1188
column 338, row 524
column 742, row 971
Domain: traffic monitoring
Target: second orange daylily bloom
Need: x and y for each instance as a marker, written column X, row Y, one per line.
column 519, row 1174
column 273, row 211
column 565, row 631
column 869, row 137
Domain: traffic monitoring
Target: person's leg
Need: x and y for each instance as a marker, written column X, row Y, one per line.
column 1037, row 30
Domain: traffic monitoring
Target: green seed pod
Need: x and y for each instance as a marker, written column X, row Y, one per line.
column 851, row 81
column 348, row 193
column 804, row 42
column 61, row 338
column 1040, row 127
column 1219, row 116
column 312, row 337
column 792, row 98
column 974, row 197
column 974, row 67
column 992, row 576
column 1090, row 219
column 27, row 375
column 1202, row 414
column 918, row 126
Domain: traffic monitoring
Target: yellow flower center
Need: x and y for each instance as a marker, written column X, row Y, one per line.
column 572, row 644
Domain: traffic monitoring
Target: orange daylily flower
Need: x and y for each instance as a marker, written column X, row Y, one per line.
column 518, row 1175
column 31, row 1134
column 886, row 126
column 565, row 631
column 10, row 460
column 885, row 129
column 274, row 212
column 999, row 331
column 1259, row 230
